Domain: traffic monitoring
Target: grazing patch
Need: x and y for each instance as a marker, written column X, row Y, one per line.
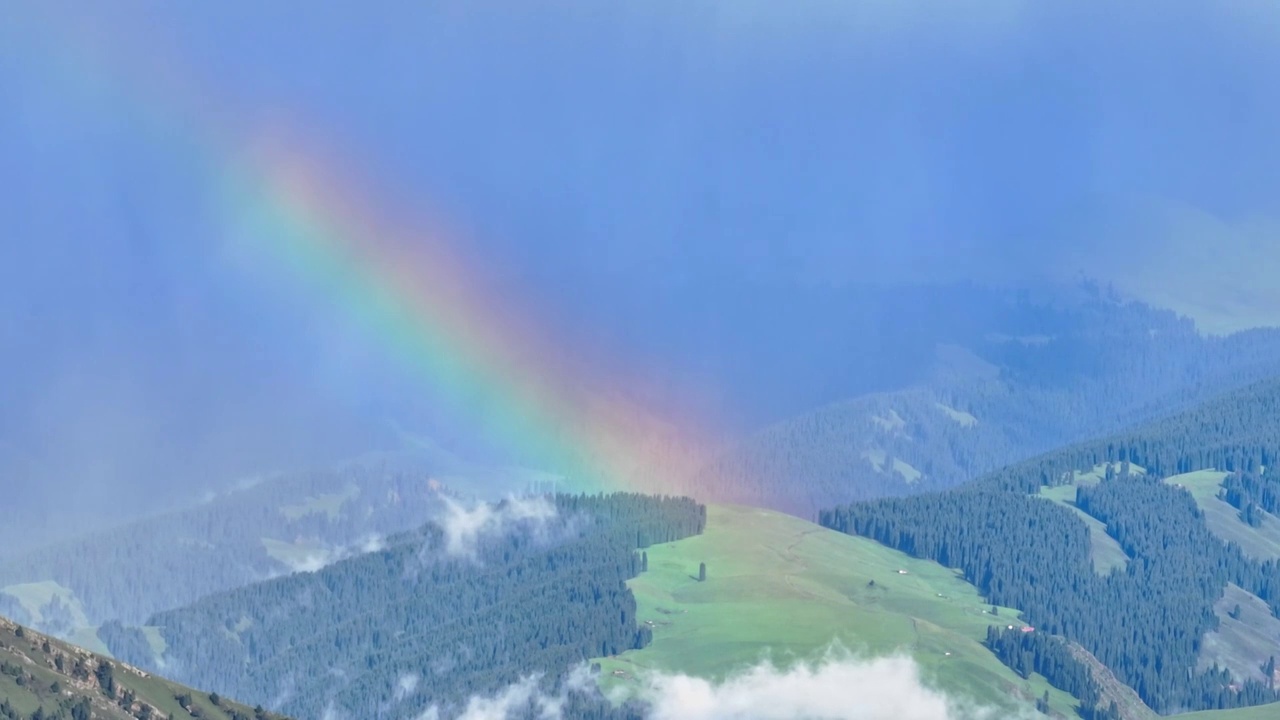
column 1223, row 520
column 786, row 588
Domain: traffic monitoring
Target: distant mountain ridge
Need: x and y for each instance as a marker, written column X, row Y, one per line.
column 1075, row 369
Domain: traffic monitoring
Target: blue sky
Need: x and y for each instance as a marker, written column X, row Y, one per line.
column 639, row 166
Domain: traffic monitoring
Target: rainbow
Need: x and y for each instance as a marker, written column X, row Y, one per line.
column 404, row 281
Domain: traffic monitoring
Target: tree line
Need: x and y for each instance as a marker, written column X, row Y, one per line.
column 534, row 600
column 1145, row 622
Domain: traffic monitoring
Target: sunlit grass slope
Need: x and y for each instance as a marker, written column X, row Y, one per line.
column 784, row 588
column 1259, row 712
column 1262, row 543
column 1106, row 552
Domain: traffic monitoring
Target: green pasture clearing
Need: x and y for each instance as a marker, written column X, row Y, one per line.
column 35, row 596
column 878, row 460
column 329, row 504
column 1106, row 552
column 963, row 418
column 784, row 588
column 1261, row 543
column 1257, row 712
column 295, row 554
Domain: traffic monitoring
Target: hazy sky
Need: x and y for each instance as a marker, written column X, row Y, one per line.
column 638, row 167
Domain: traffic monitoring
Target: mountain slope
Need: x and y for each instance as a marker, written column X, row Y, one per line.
column 248, row 533
column 1148, row 622
column 44, row 677
column 463, row 608
column 785, row 588
column 1061, row 370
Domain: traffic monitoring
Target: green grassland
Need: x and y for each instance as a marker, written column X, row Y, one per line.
column 1106, row 552
column 878, row 460
column 963, row 418
column 32, row 680
column 35, row 596
column 1095, row 475
column 295, row 554
column 784, row 587
column 1258, row 712
column 1247, row 635
column 155, row 640
column 328, row 504
column 87, row 638
column 1223, row 520
column 1262, row 543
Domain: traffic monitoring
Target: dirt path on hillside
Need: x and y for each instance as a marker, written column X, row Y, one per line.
column 789, row 554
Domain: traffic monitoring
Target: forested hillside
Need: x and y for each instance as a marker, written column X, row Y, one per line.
column 284, row 523
column 540, row 597
column 1148, row 621
column 1061, row 372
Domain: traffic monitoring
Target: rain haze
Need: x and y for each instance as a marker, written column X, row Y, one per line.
column 639, row 360
column 746, row 205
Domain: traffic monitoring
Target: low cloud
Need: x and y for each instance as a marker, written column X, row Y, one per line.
column 465, row 528
column 322, row 557
column 372, row 543
column 839, row 686
column 515, row 698
column 405, row 687
column 285, row 695
column 315, row 561
column 515, row 701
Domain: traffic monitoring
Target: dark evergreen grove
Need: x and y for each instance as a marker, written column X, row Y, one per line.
column 1145, row 622
column 1050, row 656
column 536, row 600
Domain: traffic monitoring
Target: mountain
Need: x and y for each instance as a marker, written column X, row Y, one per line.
column 253, row 530
column 248, row 591
column 789, row 585
column 1063, row 368
column 47, row 679
column 1173, row 598
column 468, row 605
